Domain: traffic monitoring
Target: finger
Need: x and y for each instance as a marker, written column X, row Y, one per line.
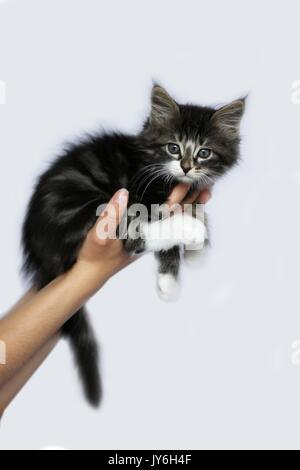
column 204, row 196
column 178, row 194
column 112, row 215
column 191, row 198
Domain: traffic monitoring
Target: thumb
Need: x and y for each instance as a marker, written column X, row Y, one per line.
column 112, row 215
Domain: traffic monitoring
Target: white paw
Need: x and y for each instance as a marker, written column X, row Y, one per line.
column 193, row 232
column 175, row 230
column 194, row 246
column 168, row 287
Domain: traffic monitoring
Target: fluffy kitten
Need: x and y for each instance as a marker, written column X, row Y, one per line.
column 178, row 143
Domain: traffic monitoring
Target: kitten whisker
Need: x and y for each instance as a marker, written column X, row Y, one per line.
column 151, row 181
column 143, row 170
column 145, row 178
column 149, row 175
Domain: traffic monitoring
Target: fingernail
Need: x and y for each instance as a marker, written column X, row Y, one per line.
column 122, row 196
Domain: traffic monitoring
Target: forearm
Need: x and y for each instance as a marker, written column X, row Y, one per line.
column 34, row 322
column 29, row 329
column 14, row 385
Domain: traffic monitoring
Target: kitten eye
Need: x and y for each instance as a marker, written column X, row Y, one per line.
column 173, row 149
column 204, row 153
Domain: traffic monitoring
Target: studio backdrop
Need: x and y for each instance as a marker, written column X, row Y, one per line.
column 219, row 368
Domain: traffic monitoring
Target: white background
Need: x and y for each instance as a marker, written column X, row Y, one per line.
column 217, row 369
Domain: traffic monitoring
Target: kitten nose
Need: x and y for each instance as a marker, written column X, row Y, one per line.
column 186, row 166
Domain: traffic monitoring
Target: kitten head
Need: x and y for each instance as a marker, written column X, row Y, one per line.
column 192, row 143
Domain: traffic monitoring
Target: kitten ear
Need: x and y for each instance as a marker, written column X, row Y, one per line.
column 163, row 107
column 228, row 118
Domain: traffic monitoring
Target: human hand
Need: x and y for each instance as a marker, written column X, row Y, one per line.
column 102, row 254
column 180, row 195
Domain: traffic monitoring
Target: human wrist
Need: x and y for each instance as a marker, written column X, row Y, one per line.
column 91, row 276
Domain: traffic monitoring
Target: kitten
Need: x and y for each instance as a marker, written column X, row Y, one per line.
column 178, row 143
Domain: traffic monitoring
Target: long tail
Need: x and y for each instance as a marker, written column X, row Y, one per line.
column 85, row 350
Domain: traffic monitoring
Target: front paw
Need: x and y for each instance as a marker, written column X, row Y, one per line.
column 194, row 232
column 168, row 287
column 175, row 230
